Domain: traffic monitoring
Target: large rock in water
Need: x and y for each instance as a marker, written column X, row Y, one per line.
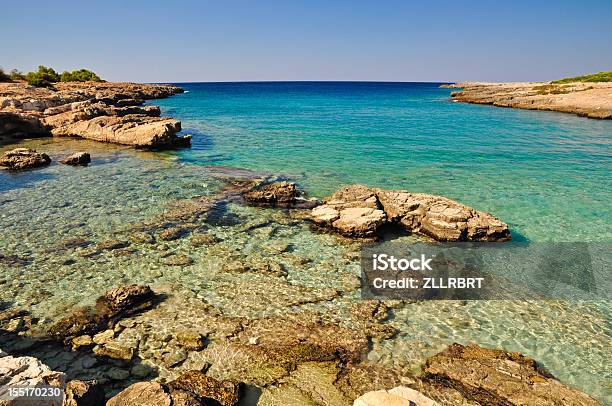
column 359, row 211
column 23, row 158
column 499, row 378
column 76, row 159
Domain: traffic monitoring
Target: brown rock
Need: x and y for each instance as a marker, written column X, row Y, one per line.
column 496, row 377
column 190, row 340
column 112, row 244
column 84, row 393
column 272, row 194
column 173, row 233
column 399, row 396
column 207, row 389
column 78, row 158
column 23, row 158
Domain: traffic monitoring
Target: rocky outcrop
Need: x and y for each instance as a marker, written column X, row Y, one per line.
column 107, row 112
column 77, row 159
column 498, row 378
column 591, row 100
column 399, row 396
column 278, row 194
column 190, row 389
column 23, row 158
column 359, row 211
column 110, row 307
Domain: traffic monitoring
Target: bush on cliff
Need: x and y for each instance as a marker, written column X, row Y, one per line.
column 44, row 77
column 3, row 76
column 594, row 77
column 81, row 75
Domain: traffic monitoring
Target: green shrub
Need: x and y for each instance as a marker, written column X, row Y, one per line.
column 16, row 75
column 44, row 77
column 3, row 76
column 594, row 77
column 81, row 75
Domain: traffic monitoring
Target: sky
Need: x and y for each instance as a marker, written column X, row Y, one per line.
column 385, row 40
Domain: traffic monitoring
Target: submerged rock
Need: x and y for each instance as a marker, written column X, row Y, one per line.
column 110, row 307
column 76, row 159
column 23, row 158
column 496, row 377
column 359, row 211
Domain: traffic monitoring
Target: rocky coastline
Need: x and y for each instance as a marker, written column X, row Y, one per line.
column 99, row 111
column 592, row 100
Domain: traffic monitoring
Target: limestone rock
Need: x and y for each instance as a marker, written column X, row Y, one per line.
column 359, row 211
column 84, row 393
column 76, row 159
column 190, row 340
column 23, row 158
column 399, row 396
column 496, row 377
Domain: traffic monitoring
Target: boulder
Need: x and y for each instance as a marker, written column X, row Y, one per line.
column 84, row 393
column 399, row 396
column 23, row 158
column 359, row 211
column 78, row 158
column 498, row 378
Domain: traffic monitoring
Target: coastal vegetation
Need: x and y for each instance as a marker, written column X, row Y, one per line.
column 594, row 77
column 46, row 76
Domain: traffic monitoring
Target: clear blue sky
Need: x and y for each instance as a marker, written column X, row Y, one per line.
column 390, row 40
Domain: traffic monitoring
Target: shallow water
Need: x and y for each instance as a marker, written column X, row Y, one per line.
column 42, row 209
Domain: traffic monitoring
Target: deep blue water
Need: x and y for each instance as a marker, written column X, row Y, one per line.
column 547, row 174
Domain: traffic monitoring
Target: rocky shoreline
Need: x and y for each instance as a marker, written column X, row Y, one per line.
column 592, row 100
column 99, row 111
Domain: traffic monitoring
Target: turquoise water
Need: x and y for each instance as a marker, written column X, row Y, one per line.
column 546, row 174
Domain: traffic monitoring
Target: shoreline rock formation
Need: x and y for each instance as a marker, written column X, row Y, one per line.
column 592, row 100
column 99, row 111
column 360, row 211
